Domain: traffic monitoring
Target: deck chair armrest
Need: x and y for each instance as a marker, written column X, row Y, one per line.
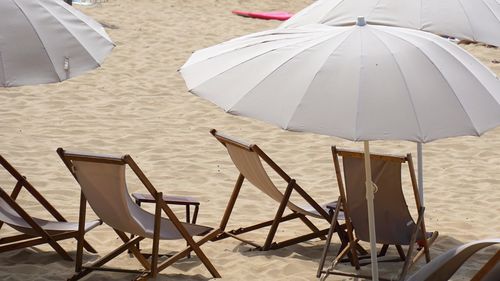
column 170, row 214
column 177, row 223
column 174, row 200
column 333, row 205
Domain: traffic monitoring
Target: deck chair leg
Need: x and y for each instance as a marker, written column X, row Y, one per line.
column 401, row 253
column 429, row 241
column 53, row 243
column 156, row 236
column 383, row 251
column 335, row 261
column 353, row 244
column 81, row 233
column 279, row 214
column 328, row 240
column 193, row 245
column 171, row 260
column 231, row 202
column 135, row 251
column 421, row 210
column 80, row 237
column 204, row 259
column 89, row 247
column 408, row 261
column 88, row 269
column 421, row 226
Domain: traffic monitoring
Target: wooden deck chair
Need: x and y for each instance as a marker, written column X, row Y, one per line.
column 394, row 223
column 103, row 183
column 35, row 231
column 247, row 158
column 445, row 265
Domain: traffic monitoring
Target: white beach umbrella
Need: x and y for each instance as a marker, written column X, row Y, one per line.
column 358, row 82
column 475, row 20
column 45, row 41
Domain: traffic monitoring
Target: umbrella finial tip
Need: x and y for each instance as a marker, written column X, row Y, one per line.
column 360, row 21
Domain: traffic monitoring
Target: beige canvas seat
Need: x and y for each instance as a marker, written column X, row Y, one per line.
column 394, row 223
column 248, row 159
column 103, row 182
column 35, row 231
column 445, row 265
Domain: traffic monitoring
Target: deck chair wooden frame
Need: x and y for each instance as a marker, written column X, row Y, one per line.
column 420, row 229
column 33, row 231
column 151, row 269
column 282, row 198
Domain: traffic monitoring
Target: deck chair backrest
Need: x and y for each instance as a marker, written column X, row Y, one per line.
column 249, row 163
column 394, row 224
column 106, row 191
column 103, row 182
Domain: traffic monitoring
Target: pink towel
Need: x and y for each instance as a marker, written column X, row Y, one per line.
column 275, row 15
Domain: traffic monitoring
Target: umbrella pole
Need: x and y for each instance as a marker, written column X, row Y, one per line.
column 420, row 158
column 371, row 212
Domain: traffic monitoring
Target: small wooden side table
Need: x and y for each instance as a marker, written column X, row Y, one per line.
column 170, row 200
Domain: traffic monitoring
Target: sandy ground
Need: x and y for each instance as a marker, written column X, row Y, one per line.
column 137, row 103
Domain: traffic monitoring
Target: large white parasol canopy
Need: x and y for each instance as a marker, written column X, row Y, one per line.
column 45, row 41
column 474, row 20
column 358, row 82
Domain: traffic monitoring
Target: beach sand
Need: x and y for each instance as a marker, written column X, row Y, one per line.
column 137, row 104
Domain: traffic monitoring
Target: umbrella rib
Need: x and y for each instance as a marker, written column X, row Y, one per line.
column 441, row 74
column 40, row 39
column 291, row 23
column 468, row 19
column 244, row 61
column 82, row 17
column 491, row 10
column 370, row 13
column 459, row 49
column 274, row 35
column 73, row 35
column 251, row 44
column 315, row 75
column 326, row 14
column 405, row 80
column 280, row 65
